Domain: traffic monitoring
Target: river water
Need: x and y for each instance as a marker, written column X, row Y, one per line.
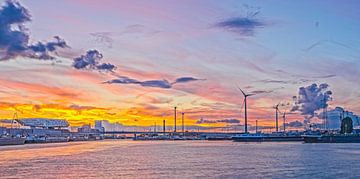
column 180, row 159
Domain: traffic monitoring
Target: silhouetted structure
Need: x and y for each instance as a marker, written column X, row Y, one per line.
column 277, row 118
column 256, row 126
column 174, row 119
column 284, row 118
column 182, row 121
column 245, row 102
column 346, row 125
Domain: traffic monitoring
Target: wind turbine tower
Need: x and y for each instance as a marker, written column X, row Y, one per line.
column 245, row 102
column 276, row 117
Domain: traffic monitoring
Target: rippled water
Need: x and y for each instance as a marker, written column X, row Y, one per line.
column 180, row 159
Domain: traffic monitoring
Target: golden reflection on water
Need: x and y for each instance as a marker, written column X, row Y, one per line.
column 10, row 154
column 179, row 159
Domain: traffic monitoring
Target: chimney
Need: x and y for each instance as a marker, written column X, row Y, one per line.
column 256, row 127
column 164, row 126
column 174, row 119
column 182, row 121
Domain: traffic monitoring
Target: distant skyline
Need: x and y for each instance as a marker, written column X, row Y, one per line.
column 132, row 61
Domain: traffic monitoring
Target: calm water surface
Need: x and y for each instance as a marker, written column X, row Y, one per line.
column 180, row 159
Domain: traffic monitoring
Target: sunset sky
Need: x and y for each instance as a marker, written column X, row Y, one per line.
column 161, row 54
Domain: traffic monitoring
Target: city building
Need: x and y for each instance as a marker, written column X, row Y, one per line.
column 43, row 123
column 334, row 118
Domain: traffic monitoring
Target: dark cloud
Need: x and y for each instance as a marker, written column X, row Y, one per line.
column 106, row 67
column 186, row 79
column 14, row 36
column 243, row 25
column 325, row 76
column 231, row 121
column 297, row 81
column 312, row 98
column 124, row 80
column 275, row 81
column 265, row 91
column 205, row 121
column 42, row 50
column 151, row 83
column 156, row 83
column 91, row 61
column 261, row 91
column 294, row 124
column 13, row 41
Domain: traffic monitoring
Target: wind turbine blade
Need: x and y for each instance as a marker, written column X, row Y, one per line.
column 277, row 107
column 241, row 90
column 251, row 94
column 242, row 105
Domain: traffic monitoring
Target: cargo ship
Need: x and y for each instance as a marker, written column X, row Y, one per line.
column 345, row 135
column 12, row 141
column 267, row 138
column 218, row 137
column 332, row 138
column 46, row 139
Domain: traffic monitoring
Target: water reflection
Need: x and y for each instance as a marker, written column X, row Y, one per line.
column 179, row 159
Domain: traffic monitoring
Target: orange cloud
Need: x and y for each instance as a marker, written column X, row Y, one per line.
column 33, row 90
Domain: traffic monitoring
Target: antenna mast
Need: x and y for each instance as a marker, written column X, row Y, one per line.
column 284, row 120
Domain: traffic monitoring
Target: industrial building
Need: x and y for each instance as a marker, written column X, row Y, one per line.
column 43, row 123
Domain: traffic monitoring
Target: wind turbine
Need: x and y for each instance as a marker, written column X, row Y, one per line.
column 277, row 123
column 245, row 102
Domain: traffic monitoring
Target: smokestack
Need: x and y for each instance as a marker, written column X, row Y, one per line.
column 277, row 120
column 164, row 126
column 174, row 119
column 155, row 127
column 256, row 127
column 182, row 121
